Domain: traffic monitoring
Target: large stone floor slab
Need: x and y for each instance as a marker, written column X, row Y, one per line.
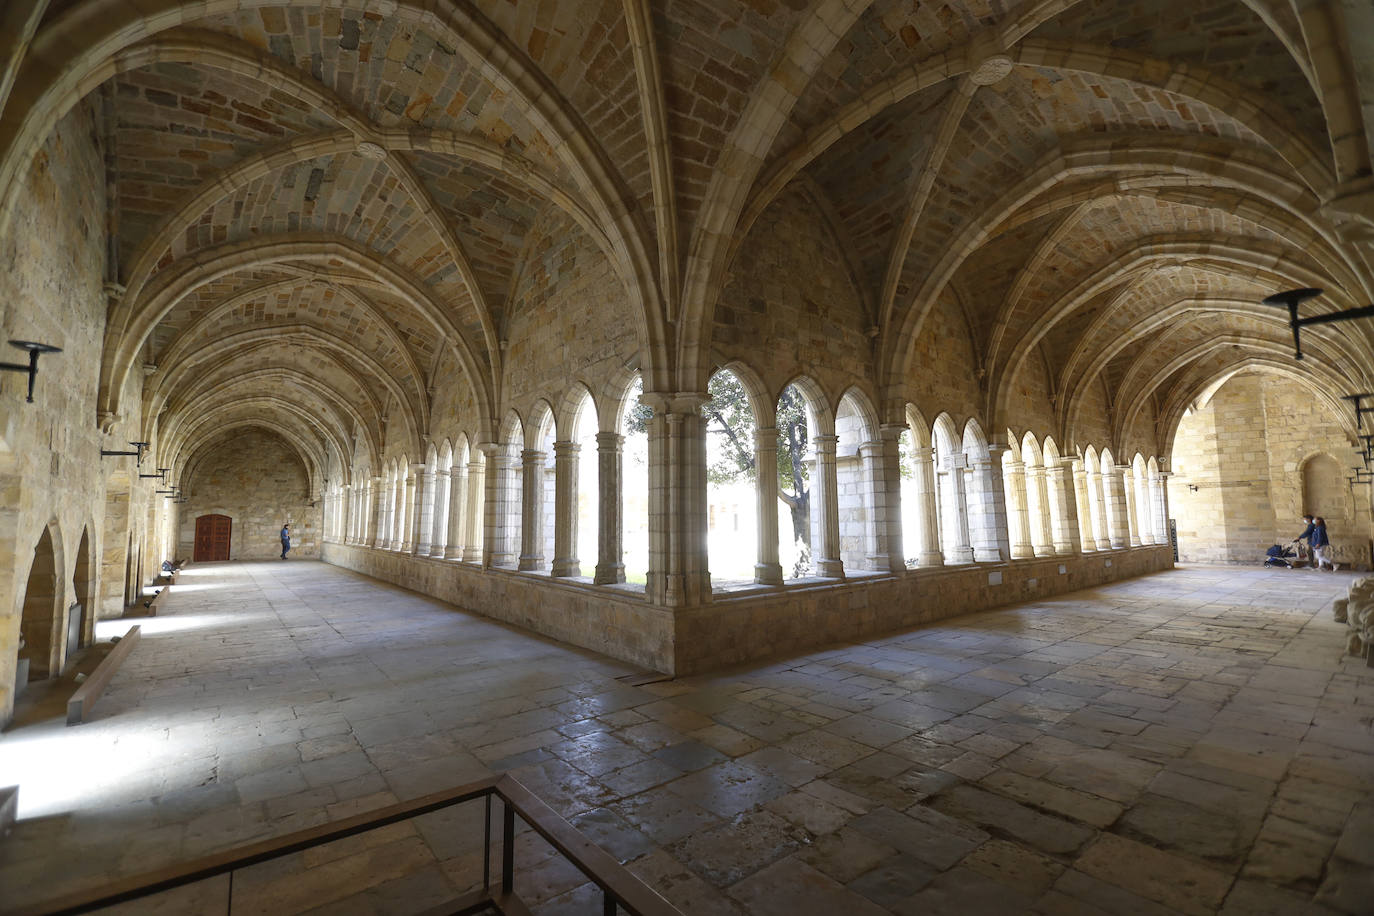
column 1187, row 742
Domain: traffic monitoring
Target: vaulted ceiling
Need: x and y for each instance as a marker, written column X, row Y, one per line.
column 317, row 209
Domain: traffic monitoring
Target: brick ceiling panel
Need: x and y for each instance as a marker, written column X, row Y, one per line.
column 1224, row 36
column 395, row 72
column 890, row 36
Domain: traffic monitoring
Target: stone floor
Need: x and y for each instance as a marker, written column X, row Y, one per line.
column 1187, row 742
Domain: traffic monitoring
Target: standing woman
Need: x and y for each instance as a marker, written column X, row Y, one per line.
column 285, row 540
column 1321, row 545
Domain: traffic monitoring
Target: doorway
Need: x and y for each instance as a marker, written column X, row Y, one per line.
column 212, row 538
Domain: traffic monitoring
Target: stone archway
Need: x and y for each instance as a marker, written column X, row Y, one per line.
column 82, row 624
column 41, row 618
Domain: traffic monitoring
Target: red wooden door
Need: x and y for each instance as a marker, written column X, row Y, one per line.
column 212, row 538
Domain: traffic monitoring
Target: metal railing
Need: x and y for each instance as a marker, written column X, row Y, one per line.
column 621, row 891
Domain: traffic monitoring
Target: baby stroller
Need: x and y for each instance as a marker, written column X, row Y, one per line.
column 1279, row 555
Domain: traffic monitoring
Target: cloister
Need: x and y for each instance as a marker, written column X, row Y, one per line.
column 694, row 335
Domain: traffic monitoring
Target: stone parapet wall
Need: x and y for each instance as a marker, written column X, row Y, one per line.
column 745, row 625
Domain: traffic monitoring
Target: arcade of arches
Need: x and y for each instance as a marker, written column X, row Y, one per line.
column 443, row 285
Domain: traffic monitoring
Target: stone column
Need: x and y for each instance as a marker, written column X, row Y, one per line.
column 610, row 566
column 991, row 540
column 438, row 526
column 1144, row 512
column 457, row 509
column 826, row 551
column 373, row 534
column 565, row 559
column 1063, row 508
column 883, row 475
column 1093, row 479
column 961, row 551
column 928, row 536
column 1114, row 487
column 767, row 571
column 408, row 507
column 532, row 463
column 1018, row 510
column 499, row 548
column 422, row 511
column 678, row 566
column 1037, row 486
column 474, row 536
column 1159, row 500
column 1128, row 497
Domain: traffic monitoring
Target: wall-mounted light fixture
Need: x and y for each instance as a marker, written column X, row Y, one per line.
column 161, row 474
column 31, row 367
column 1192, row 488
column 138, row 451
column 1355, row 399
column 1290, row 299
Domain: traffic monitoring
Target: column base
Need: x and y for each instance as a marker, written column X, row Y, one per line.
column 1022, row 551
column 927, row 560
column 422, row 550
column 830, row 569
column 961, row 556
column 1045, row 551
column 768, row 573
column 531, row 564
column 609, row 573
column 983, row 555
column 436, row 553
column 567, row 568
column 472, row 555
column 453, row 553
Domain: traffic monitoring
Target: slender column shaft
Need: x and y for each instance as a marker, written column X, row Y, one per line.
column 1128, row 500
column 882, row 464
column 610, row 565
column 767, row 569
column 423, row 524
column 1014, row 473
column 928, row 533
column 474, row 536
column 827, row 551
column 438, row 522
column 1144, row 512
column 565, row 465
column 991, row 539
column 961, row 551
column 1160, row 499
column 1114, row 491
column 1037, row 488
column 457, row 511
column 532, row 509
column 1097, row 509
column 373, row 534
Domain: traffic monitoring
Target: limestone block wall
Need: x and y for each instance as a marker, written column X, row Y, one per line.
column 1244, row 452
column 256, row 479
column 742, row 625
column 52, row 478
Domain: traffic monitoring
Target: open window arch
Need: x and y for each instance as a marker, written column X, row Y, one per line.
column 539, row 490
column 506, row 490
column 951, row 491
column 631, row 549
column 1113, row 501
column 1038, row 509
column 860, row 489
column 1139, row 493
column 42, row 611
column 1158, row 502
column 1092, row 517
column 920, row 503
column 439, row 499
column 576, row 481
column 986, row 499
column 809, row 543
column 471, row 528
column 738, row 503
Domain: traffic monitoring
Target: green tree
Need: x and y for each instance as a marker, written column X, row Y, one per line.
column 729, row 417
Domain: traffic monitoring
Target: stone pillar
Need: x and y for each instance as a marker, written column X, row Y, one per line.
column 406, row 516
column 499, row 548
column 474, row 537
column 883, row 473
column 457, row 511
column 610, row 566
column 991, row 540
column 1114, row 486
column 1063, row 508
column 565, row 560
column 826, row 551
column 928, row 536
column 1042, row 537
column 767, row 570
column 422, row 512
column 373, row 534
column 1145, row 516
column 532, row 462
column 678, row 566
column 438, row 526
column 961, row 551
column 1093, row 479
column 1018, row 510
column 1159, row 500
column 1128, row 497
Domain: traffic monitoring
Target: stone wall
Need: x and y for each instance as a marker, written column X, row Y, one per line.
column 257, row 480
column 51, row 476
column 745, row 624
column 1245, row 452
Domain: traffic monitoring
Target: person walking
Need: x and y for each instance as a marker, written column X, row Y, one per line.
column 1321, row 546
column 1306, row 536
column 285, row 540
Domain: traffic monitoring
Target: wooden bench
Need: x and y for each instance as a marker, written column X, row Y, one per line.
column 83, row 701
